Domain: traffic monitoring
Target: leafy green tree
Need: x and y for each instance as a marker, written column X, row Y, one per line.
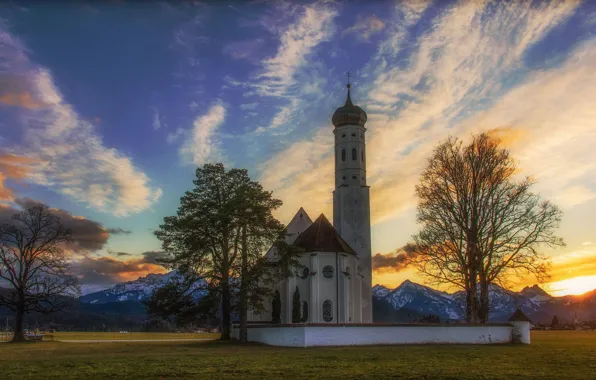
column 220, row 233
column 183, row 302
column 555, row 321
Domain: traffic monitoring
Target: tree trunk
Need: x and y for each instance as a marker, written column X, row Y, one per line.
column 483, row 307
column 225, row 309
column 243, row 289
column 19, row 325
column 472, row 305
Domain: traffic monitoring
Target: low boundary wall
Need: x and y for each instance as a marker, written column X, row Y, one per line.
column 312, row 335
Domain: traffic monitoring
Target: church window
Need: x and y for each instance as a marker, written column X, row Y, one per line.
column 327, row 311
column 353, row 177
column 362, row 155
column 353, row 135
column 354, row 154
column 361, row 136
column 343, row 177
column 328, row 271
column 343, row 135
column 343, row 154
column 305, row 272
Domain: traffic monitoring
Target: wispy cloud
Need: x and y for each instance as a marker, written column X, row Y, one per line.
column 72, row 158
column 313, row 26
column 452, row 84
column 13, row 167
column 156, row 123
column 203, row 145
column 365, row 28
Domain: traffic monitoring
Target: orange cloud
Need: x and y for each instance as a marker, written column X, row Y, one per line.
column 13, row 167
column 108, row 270
column 507, row 136
column 20, row 99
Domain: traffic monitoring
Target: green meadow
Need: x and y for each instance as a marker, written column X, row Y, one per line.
column 552, row 355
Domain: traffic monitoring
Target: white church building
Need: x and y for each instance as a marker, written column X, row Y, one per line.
column 335, row 279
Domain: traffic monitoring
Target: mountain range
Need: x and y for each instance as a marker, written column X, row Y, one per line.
column 414, row 300
column 121, row 304
column 410, row 301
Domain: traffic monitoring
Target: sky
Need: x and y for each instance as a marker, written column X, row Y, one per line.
column 107, row 108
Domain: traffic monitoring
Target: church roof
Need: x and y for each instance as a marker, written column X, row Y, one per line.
column 349, row 114
column 299, row 223
column 322, row 237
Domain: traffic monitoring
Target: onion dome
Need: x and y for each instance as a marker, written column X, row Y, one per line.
column 349, row 114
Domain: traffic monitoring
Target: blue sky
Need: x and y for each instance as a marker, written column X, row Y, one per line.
column 107, row 108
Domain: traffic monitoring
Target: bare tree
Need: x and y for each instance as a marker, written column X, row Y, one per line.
column 33, row 263
column 479, row 225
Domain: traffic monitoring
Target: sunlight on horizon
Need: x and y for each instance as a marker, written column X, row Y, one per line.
column 571, row 286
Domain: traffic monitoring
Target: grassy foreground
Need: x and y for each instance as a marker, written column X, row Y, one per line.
column 553, row 355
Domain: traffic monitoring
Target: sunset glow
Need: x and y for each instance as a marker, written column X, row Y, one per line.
column 107, row 109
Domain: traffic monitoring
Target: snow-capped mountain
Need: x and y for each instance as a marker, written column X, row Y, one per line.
column 534, row 302
column 424, row 300
column 136, row 290
column 380, row 291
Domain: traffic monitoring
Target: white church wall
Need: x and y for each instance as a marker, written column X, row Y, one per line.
column 327, row 286
column 312, row 336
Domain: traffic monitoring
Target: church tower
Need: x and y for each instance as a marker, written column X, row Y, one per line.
column 351, row 200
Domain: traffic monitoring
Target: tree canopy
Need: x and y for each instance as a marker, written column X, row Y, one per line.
column 34, row 264
column 480, row 225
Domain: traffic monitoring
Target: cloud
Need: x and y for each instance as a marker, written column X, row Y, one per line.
column 393, row 262
column 249, row 106
column 14, row 167
column 156, row 119
column 153, row 257
column 21, row 99
column 71, row 157
column 365, row 28
column 87, row 235
column 246, row 49
column 95, row 273
column 313, row 26
column 453, row 83
column 203, row 144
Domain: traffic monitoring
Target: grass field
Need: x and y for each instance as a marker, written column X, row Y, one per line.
column 552, row 355
column 118, row 336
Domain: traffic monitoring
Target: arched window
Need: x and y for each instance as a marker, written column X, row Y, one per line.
column 362, row 155
column 327, row 311
column 354, row 154
column 343, row 154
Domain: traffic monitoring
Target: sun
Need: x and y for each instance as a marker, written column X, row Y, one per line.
column 572, row 286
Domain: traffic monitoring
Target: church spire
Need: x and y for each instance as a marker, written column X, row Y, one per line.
column 349, row 99
column 349, row 114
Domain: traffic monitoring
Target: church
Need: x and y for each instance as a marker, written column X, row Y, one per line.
column 335, row 277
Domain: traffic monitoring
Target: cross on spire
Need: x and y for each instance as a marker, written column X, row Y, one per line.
column 348, row 74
